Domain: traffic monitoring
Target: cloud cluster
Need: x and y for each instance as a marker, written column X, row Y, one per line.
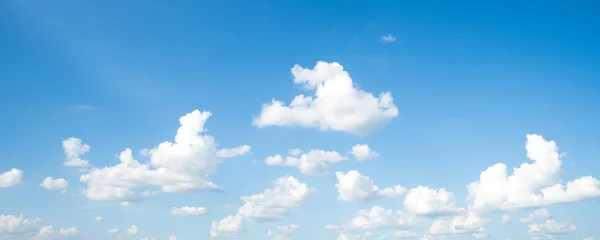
column 354, row 187
column 50, row 183
column 313, row 162
column 179, row 166
column 49, row 233
column 11, row 178
column 186, row 211
column 271, row 204
column 74, row 149
column 336, row 104
column 377, row 218
column 283, row 232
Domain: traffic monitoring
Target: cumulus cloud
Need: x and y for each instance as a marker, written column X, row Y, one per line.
column 271, row 204
column 74, row 149
column 531, row 184
column 179, row 166
column 186, row 211
column 363, row 152
column 283, row 232
column 17, row 225
column 313, row 162
column 387, row 38
column 550, row 229
column 50, row 183
column 353, row 187
column 99, row 219
column 538, row 214
column 469, row 223
column 377, row 218
column 132, row 230
column 425, row 201
column 11, row 178
column 48, row 232
column 336, row 104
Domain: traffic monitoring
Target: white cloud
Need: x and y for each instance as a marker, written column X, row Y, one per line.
column 337, row 103
column 132, row 230
column 480, row 235
column 538, row 214
column 11, row 178
column 283, row 232
column 377, row 218
column 313, row 162
column 271, row 204
column 15, row 225
column 550, row 228
column 353, row 187
column 125, row 204
column 172, row 238
column 506, row 218
column 532, row 184
column 113, row 230
column 363, row 152
column 182, row 165
column 54, row 184
column 48, row 232
column 185, row 211
column 469, row 223
column 425, row 201
column 74, row 149
column 589, row 238
column 99, row 219
column 295, row 151
column 387, row 38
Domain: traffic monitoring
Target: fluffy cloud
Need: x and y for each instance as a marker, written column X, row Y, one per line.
column 337, row 103
column 185, row 211
column 549, row 229
column 48, row 232
column 313, row 162
column 11, row 178
column 425, row 201
column 16, row 225
column 506, row 218
column 538, row 214
column 377, row 218
column 132, row 230
column 271, row 204
column 99, row 219
column 74, row 149
column 469, row 223
column 531, row 184
column 387, row 38
column 54, row 184
column 283, row 232
column 353, row 187
column 182, row 165
column 363, row 152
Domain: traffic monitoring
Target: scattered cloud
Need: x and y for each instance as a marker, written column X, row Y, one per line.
column 17, row 225
column 283, row 232
column 531, row 184
column 48, row 232
column 337, row 103
column 377, row 218
column 74, row 149
column 50, row 183
column 11, row 178
column 387, row 38
column 353, row 187
column 469, row 223
column 550, row 229
column 506, row 218
column 538, row 214
column 186, row 211
column 363, row 152
column 434, row 202
column 132, row 230
column 99, row 219
column 113, row 230
column 313, row 162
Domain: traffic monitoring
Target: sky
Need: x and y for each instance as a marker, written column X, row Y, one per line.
column 299, row 120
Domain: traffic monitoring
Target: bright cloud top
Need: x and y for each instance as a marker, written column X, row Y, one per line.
column 363, row 152
column 50, row 183
column 337, row 103
column 74, row 149
column 377, row 218
column 354, row 187
column 182, row 165
column 283, row 232
column 423, row 200
column 532, row 184
column 186, row 211
column 313, row 162
column 11, row 178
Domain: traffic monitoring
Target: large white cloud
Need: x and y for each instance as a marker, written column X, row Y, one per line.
column 182, row 165
column 54, row 184
column 353, row 187
column 74, row 149
column 336, row 104
column 49, row 233
column 283, row 232
column 11, row 178
column 423, row 200
column 378, row 218
column 271, row 204
column 313, row 162
column 17, row 225
column 186, row 211
column 531, row 184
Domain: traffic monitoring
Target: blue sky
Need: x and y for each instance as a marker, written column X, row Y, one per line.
column 469, row 79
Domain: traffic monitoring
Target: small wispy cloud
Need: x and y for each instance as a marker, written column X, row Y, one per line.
column 83, row 107
column 389, row 38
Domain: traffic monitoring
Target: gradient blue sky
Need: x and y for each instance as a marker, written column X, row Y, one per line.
column 470, row 79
